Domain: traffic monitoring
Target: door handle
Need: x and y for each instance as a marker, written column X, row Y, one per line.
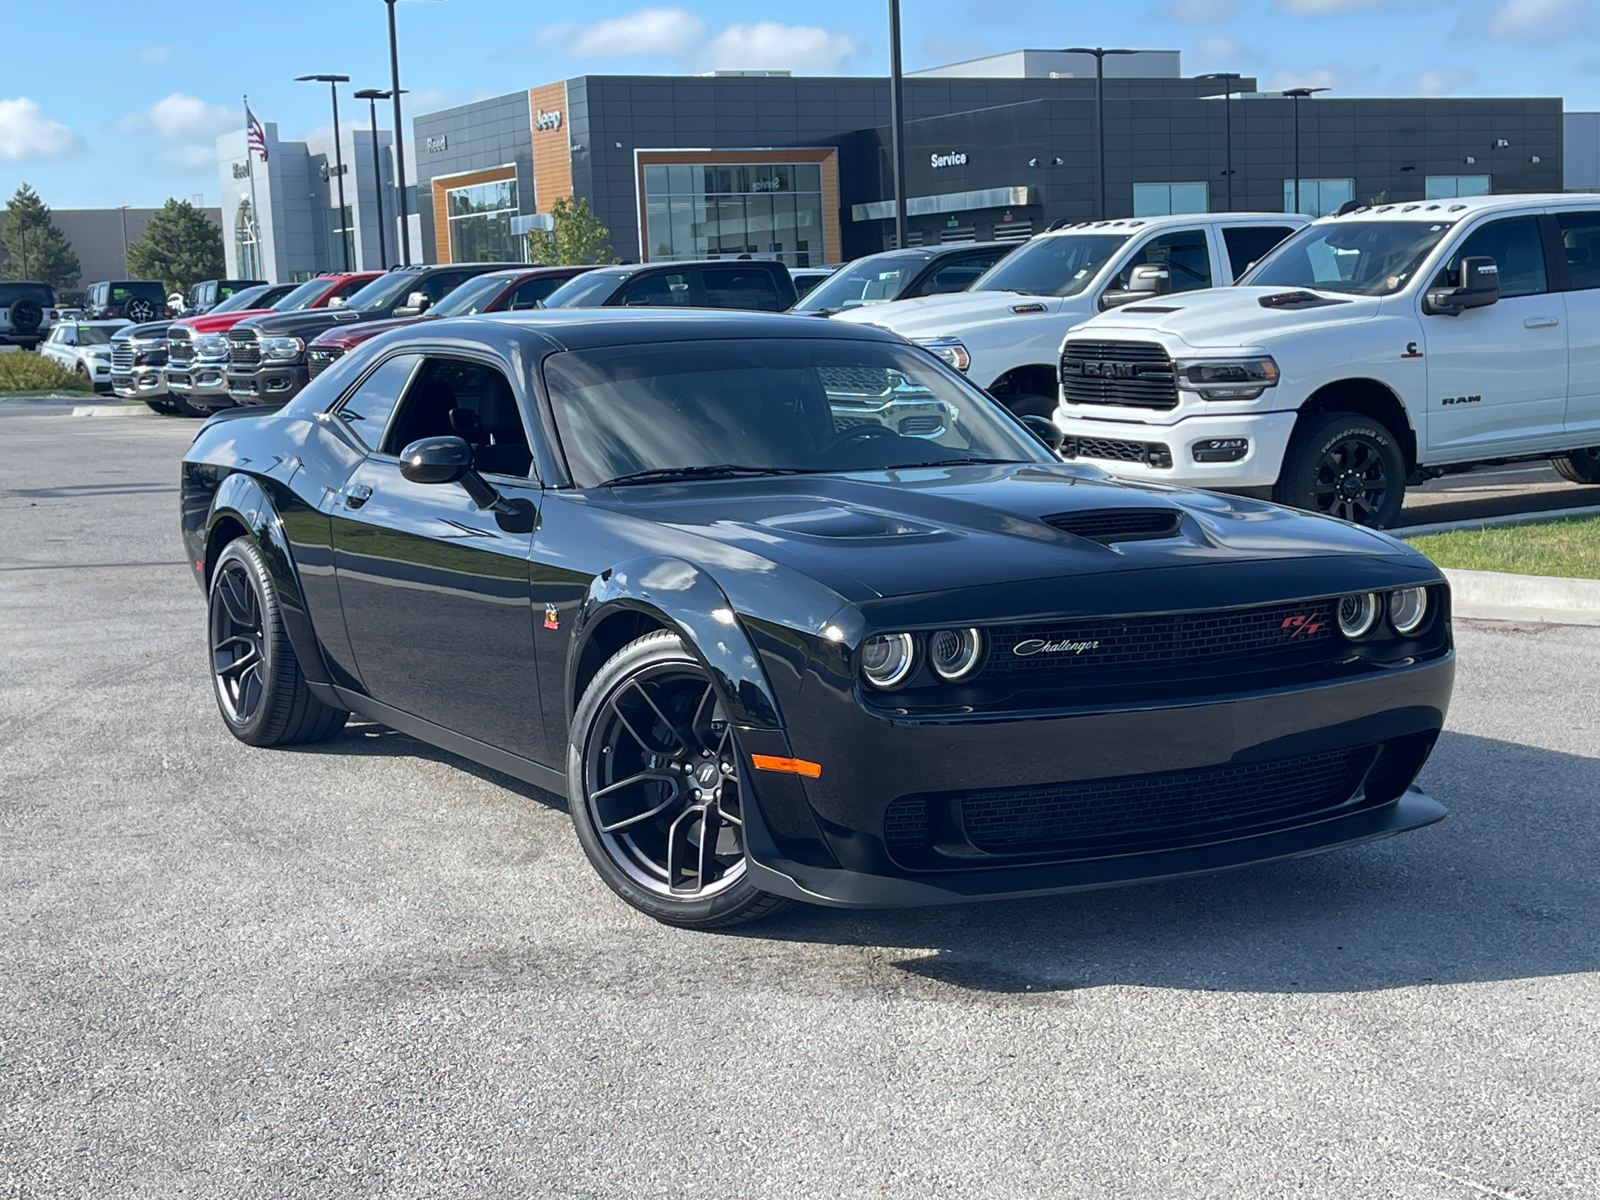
column 356, row 495
column 1541, row 322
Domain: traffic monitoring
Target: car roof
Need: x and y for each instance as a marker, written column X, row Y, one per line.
column 1131, row 224
column 1462, row 207
column 581, row 328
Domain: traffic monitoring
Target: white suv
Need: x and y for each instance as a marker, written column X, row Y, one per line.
column 1005, row 330
column 1369, row 350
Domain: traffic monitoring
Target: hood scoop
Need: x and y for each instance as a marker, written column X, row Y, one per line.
column 1107, row 525
column 1297, row 300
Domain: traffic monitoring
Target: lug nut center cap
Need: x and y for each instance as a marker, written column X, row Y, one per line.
column 707, row 775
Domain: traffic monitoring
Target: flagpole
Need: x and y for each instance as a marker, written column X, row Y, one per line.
column 255, row 206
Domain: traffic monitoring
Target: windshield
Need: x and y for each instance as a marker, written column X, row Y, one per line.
column 1058, row 265
column 383, row 291
column 1362, row 258
column 876, row 279
column 471, row 297
column 762, row 406
column 304, row 296
column 94, row 335
column 242, row 300
column 584, row 291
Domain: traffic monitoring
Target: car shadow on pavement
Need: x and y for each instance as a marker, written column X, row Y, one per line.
column 1506, row 887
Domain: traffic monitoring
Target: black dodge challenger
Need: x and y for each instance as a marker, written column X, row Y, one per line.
column 788, row 610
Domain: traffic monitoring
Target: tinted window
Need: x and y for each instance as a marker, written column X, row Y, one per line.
column 742, row 287
column 958, row 275
column 37, row 292
column 451, row 397
column 1516, row 248
column 585, row 291
column 656, row 291
column 1366, row 258
column 1580, row 238
column 1184, row 253
column 1061, row 264
column 384, row 291
column 533, row 291
column 437, row 285
column 346, row 291
column 471, row 297
column 244, row 298
column 94, row 335
column 366, row 410
column 1248, row 244
column 871, row 280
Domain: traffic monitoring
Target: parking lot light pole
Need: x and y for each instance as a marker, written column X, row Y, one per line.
column 1227, row 78
column 897, row 133
column 1298, row 94
column 333, row 82
column 399, row 138
column 1099, row 53
column 372, row 96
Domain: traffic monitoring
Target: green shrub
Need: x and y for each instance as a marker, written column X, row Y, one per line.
column 24, row 371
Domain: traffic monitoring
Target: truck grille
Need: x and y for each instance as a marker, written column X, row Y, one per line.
column 1151, row 454
column 122, row 356
column 180, row 348
column 244, row 350
column 320, row 358
column 1129, row 374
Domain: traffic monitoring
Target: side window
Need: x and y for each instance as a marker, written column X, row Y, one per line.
column 1184, row 252
column 440, row 284
column 534, row 290
column 1580, row 238
column 656, row 291
column 1249, row 243
column 366, row 410
column 740, row 287
column 451, row 396
column 1516, row 248
column 347, row 290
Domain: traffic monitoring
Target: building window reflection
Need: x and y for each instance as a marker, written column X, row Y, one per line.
column 246, row 241
column 771, row 210
column 480, row 222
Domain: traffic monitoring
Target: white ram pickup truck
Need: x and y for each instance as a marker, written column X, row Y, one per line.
column 1005, row 330
column 1370, row 350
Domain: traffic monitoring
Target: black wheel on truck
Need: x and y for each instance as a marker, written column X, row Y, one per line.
column 1346, row 465
column 1578, row 466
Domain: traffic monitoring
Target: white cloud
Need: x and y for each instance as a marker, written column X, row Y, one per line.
column 767, row 45
column 1535, row 20
column 189, row 156
column 1221, row 50
column 1323, row 8
column 178, row 115
column 1319, row 77
column 1437, row 81
column 1199, row 12
column 147, row 55
column 25, row 132
column 647, row 31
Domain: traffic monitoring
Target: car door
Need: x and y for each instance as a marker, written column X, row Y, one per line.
column 655, row 289
column 1579, row 233
column 434, row 589
column 1185, row 252
column 63, row 345
column 1497, row 375
column 530, row 292
column 956, row 273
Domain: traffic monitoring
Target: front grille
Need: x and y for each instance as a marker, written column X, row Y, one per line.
column 861, row 381
column 1151, row 454
column 1107, row 525
column 122, row 356
column 320, row 358
column 244, row 350
column 1129, row 374
column 180, row 348
column 1138, row 812
column 1246, row 638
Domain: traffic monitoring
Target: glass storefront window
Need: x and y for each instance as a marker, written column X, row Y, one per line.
column 771, row 210
column 1448, row 187
column 1318, row 197
column 480, row 222
column 1161, row 199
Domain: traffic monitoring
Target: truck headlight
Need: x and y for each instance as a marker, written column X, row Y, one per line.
column 281, row 349
column 213, row 347
column 1227, row 378
column 947, row 348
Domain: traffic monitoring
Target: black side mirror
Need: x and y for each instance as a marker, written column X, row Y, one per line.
column 1044, row 429
column 1480, row 287
column 1145, row 282
column 436, row 460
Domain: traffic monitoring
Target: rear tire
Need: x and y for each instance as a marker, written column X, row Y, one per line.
column 1578, row 466
column 1345, row 465
column 259, row 687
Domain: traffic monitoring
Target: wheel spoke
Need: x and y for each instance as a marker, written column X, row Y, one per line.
column 236, row 606
column 710, row 831
column 243, row 663
column 680, row 848
column 632, row 732
column 249, row 693
column 695, row 725
column 685, row 737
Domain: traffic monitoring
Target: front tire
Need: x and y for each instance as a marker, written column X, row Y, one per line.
column 1347, row 466
column 1023, row 404
column 656, row 793
column 259, row 687
column 1578, row 466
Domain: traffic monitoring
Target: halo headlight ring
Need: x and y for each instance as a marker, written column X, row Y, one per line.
column 887, row 659
column 1408, row 610
column 1358, row 614
column 955, row 653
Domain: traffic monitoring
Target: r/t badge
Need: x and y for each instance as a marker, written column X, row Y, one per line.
column 552, row 619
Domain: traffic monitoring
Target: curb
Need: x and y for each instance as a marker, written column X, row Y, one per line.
column 1497, row 596
column 137, row 409
column 1533, row 518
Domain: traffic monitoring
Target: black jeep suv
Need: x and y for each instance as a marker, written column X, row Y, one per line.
column 136, row 300
column 25, row 310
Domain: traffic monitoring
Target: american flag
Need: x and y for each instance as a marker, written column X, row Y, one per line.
column 254, row 136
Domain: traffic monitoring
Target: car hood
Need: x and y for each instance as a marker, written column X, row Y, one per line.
column 932, row 316
column 347, row 335
column 871, row 535
column 221, row 322
column 1228, row 317
column 306, row 324
column 150, row 329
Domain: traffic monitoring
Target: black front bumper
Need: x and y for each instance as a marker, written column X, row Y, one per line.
column 831, row 840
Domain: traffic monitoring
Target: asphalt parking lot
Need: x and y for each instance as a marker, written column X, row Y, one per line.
column 371, row 969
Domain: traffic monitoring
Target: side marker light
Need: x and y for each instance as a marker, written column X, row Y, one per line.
column 788, row 766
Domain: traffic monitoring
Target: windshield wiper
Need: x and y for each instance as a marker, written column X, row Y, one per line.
column 944, row 462
column 719, row 471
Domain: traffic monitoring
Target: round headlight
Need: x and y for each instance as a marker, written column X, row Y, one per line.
column 887, row 658
column 1408, row 608
column 1358, row 614
column 954, row 652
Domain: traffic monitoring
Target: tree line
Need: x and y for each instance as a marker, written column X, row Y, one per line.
column 180, row 246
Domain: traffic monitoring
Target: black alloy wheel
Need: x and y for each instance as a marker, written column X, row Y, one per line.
column 657, row 789
column 139, row 310
column 260, row 689
column 1347, row 466
column 1578, row 466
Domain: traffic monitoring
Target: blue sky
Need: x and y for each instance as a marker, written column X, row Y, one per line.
column 128, row 114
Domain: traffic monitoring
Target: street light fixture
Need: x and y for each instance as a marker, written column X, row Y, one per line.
column 1298, row 94
column 372, row 96
column 1100, row 108
column 333, row 82
column 396, row 91
column 897, row 132
column 1227, row 78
